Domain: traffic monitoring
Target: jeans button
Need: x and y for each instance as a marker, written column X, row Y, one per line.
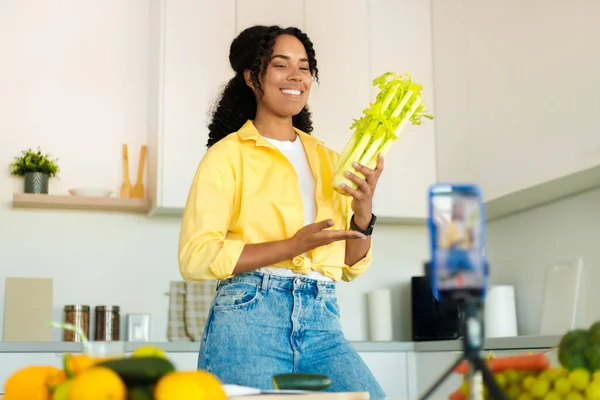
column 297, row 281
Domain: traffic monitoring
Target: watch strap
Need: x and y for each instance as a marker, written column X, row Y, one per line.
column 368, row 231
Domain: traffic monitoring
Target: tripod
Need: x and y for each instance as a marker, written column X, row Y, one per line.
column 469, row 306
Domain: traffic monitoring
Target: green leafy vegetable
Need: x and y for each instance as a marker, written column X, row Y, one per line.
column 399, row 102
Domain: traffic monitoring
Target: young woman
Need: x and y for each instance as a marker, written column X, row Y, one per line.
column 263, row 220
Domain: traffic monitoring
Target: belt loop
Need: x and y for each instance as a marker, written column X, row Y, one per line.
column 265, row 283
column 319, row 290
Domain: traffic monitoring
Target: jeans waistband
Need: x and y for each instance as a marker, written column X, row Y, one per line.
column 265, row 281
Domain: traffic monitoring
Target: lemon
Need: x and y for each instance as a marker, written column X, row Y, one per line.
column 183, row 385
column 596, row 376
column 592, row 392
column 97, row 383
column 579, row 378
column 562, row 385
column 148, row 351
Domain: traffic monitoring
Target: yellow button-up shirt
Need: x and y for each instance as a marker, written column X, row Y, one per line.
column 246, row 191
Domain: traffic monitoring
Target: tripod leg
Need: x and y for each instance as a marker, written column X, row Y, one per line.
column 488, row 379
column 441, row 380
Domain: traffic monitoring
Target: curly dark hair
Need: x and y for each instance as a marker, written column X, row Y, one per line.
column 252, row 50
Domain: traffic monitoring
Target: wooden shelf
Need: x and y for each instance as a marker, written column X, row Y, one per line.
column 46, row 201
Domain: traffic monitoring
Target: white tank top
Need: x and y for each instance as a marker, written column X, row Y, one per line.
column 294, row 151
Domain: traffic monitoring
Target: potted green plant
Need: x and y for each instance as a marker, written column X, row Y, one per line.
column 36, row 169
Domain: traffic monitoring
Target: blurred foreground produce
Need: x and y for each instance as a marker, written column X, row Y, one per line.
column 531, row 376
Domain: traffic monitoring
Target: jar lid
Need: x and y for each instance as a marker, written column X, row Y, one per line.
column 108, row 308
column 77, row 307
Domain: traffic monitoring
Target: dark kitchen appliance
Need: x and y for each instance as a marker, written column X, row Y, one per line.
column 431, row 320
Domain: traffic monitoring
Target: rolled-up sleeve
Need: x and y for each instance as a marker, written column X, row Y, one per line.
column 206, row 251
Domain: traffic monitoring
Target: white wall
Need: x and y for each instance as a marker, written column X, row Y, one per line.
column 522, row 246
column 73, row 79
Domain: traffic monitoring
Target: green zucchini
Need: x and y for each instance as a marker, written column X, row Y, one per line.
column 296, row 381
column 139, row 370
column 140, row 392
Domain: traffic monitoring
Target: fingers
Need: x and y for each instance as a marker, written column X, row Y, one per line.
column 336, row 235
column 319, row 226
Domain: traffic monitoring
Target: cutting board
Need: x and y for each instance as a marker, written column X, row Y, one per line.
column 311, row 396
column 561, row 297
column 27, row 309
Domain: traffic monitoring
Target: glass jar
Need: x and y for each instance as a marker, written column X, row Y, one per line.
column 108, row 323
column 79, row 316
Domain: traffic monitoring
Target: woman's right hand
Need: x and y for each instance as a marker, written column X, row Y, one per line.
column 317, row 235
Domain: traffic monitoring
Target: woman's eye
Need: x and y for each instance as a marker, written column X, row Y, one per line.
column 304, row 68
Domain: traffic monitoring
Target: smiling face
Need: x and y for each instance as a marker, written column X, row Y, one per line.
column 287, row 80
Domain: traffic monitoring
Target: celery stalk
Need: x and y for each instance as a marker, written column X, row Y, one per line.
column 398, row 102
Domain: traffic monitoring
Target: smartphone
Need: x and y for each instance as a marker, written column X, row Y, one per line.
column 458, row 266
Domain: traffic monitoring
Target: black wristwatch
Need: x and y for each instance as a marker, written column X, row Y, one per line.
column 368, row 231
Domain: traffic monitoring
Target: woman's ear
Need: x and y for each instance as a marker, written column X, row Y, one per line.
column 248, row 79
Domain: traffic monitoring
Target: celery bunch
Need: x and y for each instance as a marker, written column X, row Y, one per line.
column 399, row 102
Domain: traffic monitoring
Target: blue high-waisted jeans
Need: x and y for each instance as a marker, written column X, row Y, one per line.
column 262, row 325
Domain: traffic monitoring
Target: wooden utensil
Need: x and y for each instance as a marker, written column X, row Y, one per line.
column 126, row 187
column 138, row 190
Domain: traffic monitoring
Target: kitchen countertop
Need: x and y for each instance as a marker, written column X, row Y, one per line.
column 508, row 343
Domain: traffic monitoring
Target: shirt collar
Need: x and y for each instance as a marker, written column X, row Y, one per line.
column 249, row 132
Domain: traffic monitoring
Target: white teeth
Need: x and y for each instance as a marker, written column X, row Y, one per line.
column 291, row 91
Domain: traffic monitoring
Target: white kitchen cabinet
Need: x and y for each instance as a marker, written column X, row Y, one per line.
column 516, row 98
column 355, row 41
column 400, row 41
column 189, row 64
column 391, row 371
column 359, row 42
column 339, row 30
column 430, row 366
column 269, row 12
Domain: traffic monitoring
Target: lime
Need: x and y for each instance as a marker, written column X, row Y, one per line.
column 579, row 378
column 552, row 374
column 592, row 392
column 528, row 382
column 148, row 351
column 464, row 387
column 501, row 380
column 525, row 396
column 574, row 395
column 552, row 396
column 513, row 391
column 562, row 385
column 512, row 375
column 540, row 387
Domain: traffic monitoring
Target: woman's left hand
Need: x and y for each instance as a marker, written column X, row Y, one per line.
column 362, row 197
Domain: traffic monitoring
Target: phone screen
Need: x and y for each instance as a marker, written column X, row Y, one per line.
column 458, row 238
